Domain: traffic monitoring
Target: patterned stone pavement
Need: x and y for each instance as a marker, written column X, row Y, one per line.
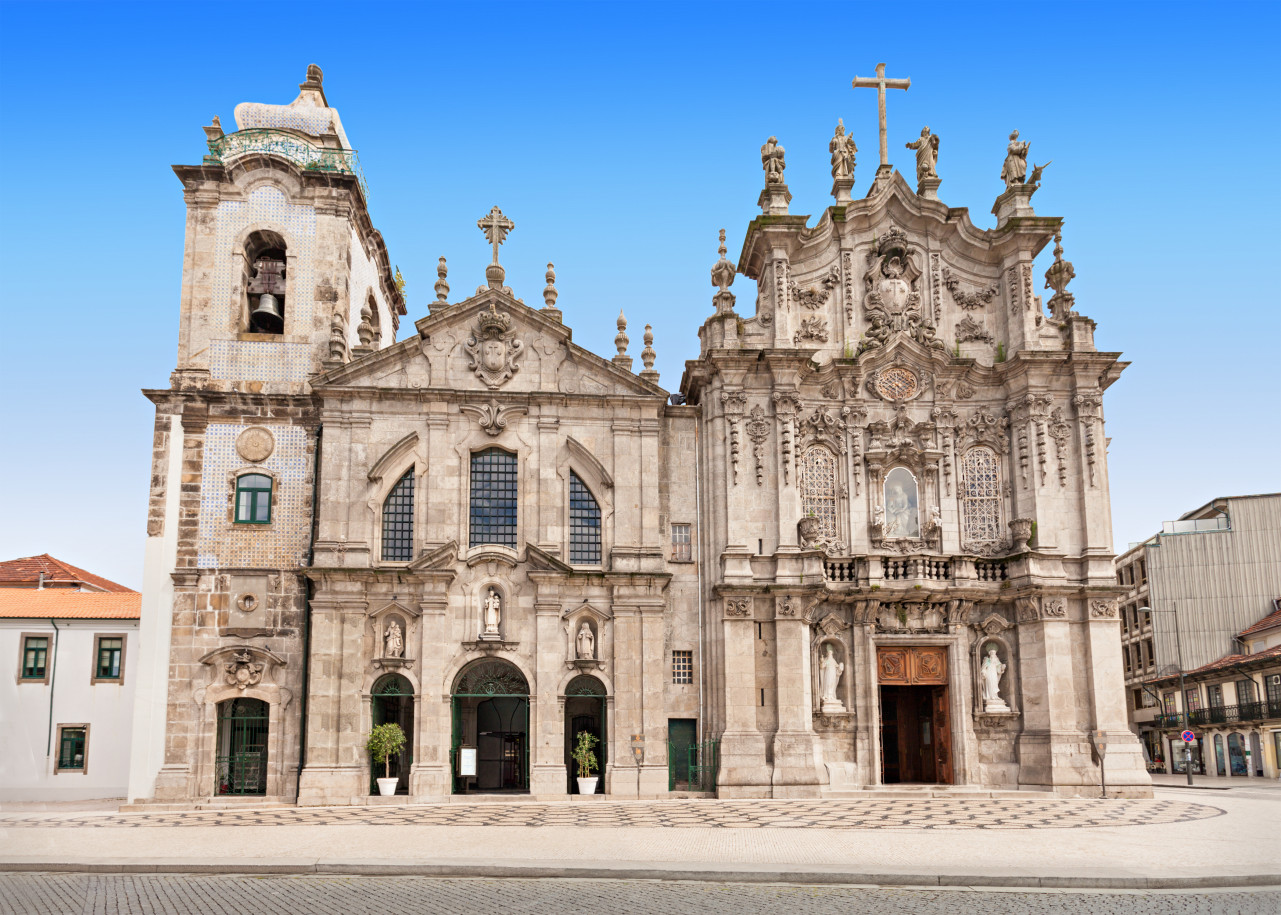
column 47, row 894
column 936, row 813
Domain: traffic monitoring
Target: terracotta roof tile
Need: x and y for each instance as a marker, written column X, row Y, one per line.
column 1269, row 621
column 63, row 603
column 56, row 572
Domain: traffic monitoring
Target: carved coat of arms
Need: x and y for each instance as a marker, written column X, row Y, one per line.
column 493, row 347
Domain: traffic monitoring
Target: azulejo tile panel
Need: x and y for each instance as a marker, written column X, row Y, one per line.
column 224, row 544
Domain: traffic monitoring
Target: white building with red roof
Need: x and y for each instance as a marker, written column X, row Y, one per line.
column 67, row 637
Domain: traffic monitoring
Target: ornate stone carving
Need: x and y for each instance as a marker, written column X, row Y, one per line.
column 892, row 301
column 1103, row 609
column 393, row 640
column 337, row 339
column 786, row 405
column 492, row 615
column 492, row 417
column 829, row 676
column 734, row 402
column 493, row 347
column 816, row 296
column 738, row 606
column 255, row 444
column 964, row 391
column 1057, row 278
column 842, row 149
column 758, row 431
column 834, row 721
column 990, row 673
column 772, row 160
column 896, row 383
column 1014, row 168
column 969, row 329
column 242, row 671
column 1087, row 411
column 585, row 643
column 985, row 428
column 787, row 605
column 1059, row 431
column 945, row 420
column 911, row 617
column 1055, row 607
column 927, row 154
column 723, row 278
column 812, row 328
column 847, row 269
column 854, row 417
column 1020, row 533
column 969, row 300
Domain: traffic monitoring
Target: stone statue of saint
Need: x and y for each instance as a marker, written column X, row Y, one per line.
column 843, row 150
column 393, row 641
column 1015, row 168
column 772, row 161
column 927, row 154
column 991, row 674
column 493, row 613
column 586, row 643
column 830, row 671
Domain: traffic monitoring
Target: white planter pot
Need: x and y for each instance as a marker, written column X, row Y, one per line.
column 387, row 786
column 588, row 785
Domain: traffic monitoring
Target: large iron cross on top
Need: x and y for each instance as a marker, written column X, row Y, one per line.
column 880, row 84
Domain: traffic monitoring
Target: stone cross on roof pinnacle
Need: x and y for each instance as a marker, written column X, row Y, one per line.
column 880, row 84
column 495, row 226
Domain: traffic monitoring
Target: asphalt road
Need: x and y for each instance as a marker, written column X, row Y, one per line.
column 59, row 894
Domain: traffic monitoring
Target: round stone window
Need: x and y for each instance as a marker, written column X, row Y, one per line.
column 896, row 384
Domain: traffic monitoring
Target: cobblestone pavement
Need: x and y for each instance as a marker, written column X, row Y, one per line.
column 933, row 813
column 56, row 894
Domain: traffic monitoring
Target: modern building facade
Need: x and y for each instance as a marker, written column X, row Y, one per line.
column 66, row 682
column 867, row 543
column 1216, row 572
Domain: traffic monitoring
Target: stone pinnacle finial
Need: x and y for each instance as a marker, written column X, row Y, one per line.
column 1057, row 278
column 549, row 291
column 495, row 226
column 622, row 360
column 723, row 278
column 442, row 284
column 648, row 355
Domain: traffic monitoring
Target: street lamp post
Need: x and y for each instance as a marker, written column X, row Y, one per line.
column 1183, row 693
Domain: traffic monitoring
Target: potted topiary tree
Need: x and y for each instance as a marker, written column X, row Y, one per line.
column 385, row 741
column 586, row 760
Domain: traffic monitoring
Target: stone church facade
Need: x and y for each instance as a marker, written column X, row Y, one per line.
column 867, row 543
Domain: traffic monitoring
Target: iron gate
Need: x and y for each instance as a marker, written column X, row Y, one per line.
column 241, row 763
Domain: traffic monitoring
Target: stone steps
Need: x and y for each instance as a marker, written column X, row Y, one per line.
column 955, row 792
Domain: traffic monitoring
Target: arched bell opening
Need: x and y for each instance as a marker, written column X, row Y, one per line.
column 585, row 712
column 392, row 702
column 490, row 706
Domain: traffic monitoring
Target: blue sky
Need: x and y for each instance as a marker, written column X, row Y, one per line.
column 620, row 138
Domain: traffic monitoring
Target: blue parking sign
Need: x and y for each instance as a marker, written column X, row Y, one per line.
column 1188, row 736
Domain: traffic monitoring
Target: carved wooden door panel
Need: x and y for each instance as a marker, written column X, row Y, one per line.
column 942, row 736
column 915, row 665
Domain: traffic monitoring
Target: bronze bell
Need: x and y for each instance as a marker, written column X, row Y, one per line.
column 267, row 318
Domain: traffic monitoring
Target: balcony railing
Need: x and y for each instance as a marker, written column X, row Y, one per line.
column 1222, row 714
column 864, row 570
column 265, row 141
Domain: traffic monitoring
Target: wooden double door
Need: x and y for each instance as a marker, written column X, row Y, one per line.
column 916, row 732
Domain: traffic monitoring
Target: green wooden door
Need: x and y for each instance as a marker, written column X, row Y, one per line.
column 682, row 733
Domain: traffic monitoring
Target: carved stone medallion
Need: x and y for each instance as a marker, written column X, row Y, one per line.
column 255, row 444
column 493, row 347
column 897, row 383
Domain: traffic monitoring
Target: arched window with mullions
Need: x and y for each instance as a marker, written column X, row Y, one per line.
column 493, row 498
column 253, row 498
column 584, row 524
column 398, row 520
column 980, row 497
column 818, row 490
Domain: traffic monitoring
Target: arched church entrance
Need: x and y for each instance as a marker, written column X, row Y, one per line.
column 916, row 733
column 392, row 701
column 240, row 763
column 490, row 702
column 585, row 712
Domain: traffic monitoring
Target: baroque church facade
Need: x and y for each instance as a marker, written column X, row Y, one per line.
column 866, row 544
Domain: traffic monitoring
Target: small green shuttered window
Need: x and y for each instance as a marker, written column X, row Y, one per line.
column 71, row 748
column 35, row 654
column 253, row 498
column 110, row 652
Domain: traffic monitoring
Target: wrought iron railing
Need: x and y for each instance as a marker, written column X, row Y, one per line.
column 1221, row 714
column 266, row 141
column 700, row 762
column 241, row 773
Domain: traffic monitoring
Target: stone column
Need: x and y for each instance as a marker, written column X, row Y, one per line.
column 1052, row 751
column 743, row 770
column 430, row 776
column 334, row 771
column 1124, row 766
column 547, row 754
column 797, row 772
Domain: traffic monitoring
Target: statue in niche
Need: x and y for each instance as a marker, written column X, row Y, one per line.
column 772, row 161
column 1014, row 169
column 393, row 641
column 586, row 643
column 843, row 149
column 991, row 672
column 927, row 154
column 902, row 518
column 493, row 615
column 830, row 671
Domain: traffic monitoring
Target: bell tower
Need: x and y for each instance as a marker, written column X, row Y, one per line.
column 283, row 276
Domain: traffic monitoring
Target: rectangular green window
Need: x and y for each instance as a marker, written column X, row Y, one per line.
column 35, row 654
column 253, row 498
column 110, row 651
column 71, row 748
